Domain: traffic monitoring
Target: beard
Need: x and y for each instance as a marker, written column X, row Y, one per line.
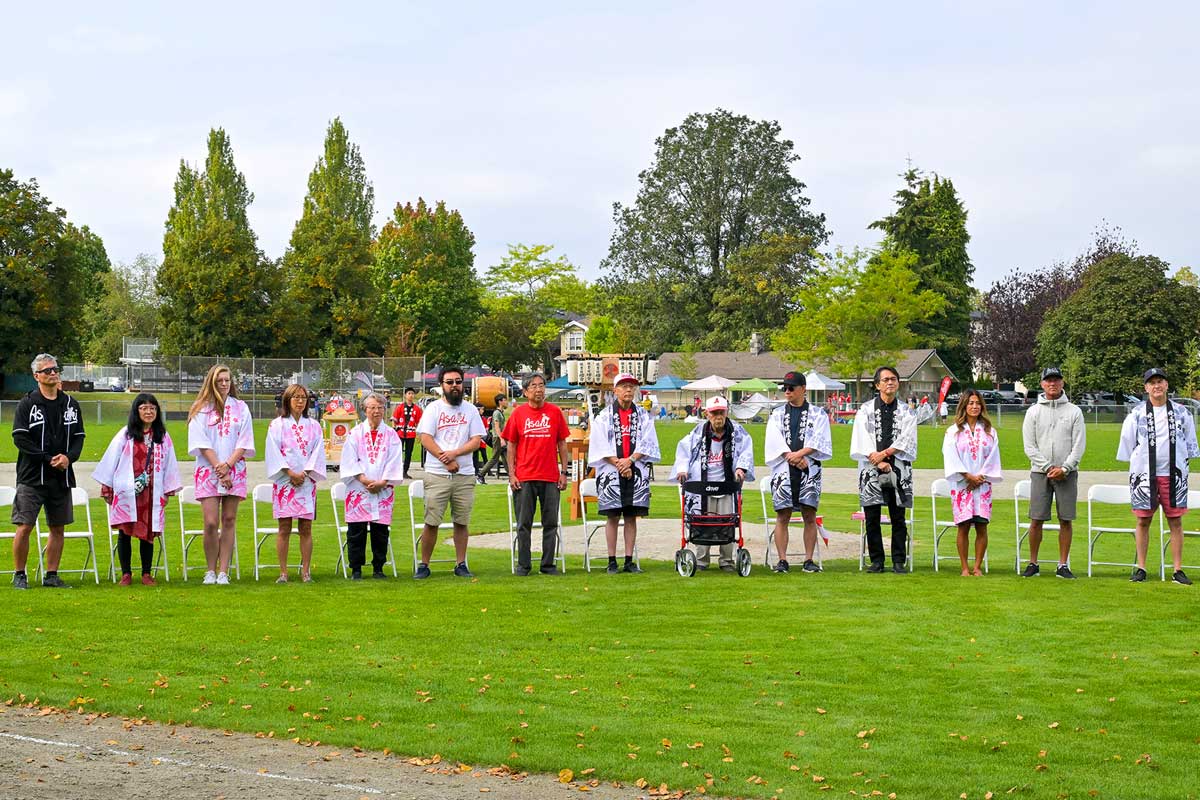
column 454, row 396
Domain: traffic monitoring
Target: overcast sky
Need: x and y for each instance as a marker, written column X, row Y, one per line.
column 532, row 119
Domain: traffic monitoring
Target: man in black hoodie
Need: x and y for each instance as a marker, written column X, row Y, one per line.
column 48, row 433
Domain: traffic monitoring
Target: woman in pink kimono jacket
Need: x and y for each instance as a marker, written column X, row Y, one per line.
column 971, row 452
column 221, row 438
column 372, row 463
column 136, row 475
column 295, row 462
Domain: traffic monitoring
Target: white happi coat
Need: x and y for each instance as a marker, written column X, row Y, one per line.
column 904, row 440
column 1134, row 447
column 604, row 442
column 299, row 447
column 690, row 459
column 384, row 461
column 971, row 451
column 232, row 430
column 785, row 493
column 115, row 470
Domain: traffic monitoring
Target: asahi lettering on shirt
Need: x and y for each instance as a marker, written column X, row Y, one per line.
column 451, row 420
column 537, row 428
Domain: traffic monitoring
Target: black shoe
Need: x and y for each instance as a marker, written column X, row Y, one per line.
column 782, row 566
column 1138, row 575
column 356, row 575
column 20, row 582
column 54, row 582
column 612, row 569
column 406, row 477
column 899, row 569
column 724, row 568
column 1031, row 571
column 378, row 575
column 551, row 570
column 1064, row 571
column 632, row 567
column 479, row 479
column 522, row 571
column 700, row 567
column 422, row 572
column 811, row 566
column 873, row 567
column 1178, row 577
column 461, row 571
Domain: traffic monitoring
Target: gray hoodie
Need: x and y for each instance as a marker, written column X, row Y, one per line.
column 1054, row 434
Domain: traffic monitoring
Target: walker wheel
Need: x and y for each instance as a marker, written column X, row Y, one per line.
column 685, row 563
column 743, row 562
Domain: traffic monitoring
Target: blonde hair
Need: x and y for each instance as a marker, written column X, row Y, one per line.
column 209, row 397
column 960, row 414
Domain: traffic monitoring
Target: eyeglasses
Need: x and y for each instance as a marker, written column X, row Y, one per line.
column 458, row 382
column 49, row 371
column 792, row 388
column 889, row 380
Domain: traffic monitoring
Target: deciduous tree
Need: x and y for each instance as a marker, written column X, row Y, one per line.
column 127, row 306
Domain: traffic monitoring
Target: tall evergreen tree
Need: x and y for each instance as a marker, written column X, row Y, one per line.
column 424, row 276
column 216, row 286
column 931, row 222
column 327, row 267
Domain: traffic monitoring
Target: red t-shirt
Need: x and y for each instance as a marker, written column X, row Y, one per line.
column 535, row 433
column 625, row 418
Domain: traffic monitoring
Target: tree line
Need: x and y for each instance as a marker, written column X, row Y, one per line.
column 721, row 241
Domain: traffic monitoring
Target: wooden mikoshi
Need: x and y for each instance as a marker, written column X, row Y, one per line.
column 340, row 416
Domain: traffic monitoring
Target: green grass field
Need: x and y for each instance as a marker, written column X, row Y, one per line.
column 1100, row 454
column 927, row 685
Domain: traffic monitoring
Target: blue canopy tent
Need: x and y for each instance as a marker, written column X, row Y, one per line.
column 666, row 383
column 561, row 384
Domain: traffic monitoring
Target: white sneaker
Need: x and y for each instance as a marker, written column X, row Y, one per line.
column 210, row 578
column 223, row 579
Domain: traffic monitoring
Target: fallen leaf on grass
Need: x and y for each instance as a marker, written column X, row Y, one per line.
column 821, row 711
column 1052, row 725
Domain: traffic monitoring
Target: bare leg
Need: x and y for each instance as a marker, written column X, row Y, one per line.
column 630, row 533
column 229, row 509
column 1064, row 541
column 210, row 507
column 305, row 529
column 54, row 548
column 461, row 534
column 981, row 542
column 782, row 534
column 810, row 532
column 282, row 540
column 964, row 531
column 1035, row 538
column 428, row 542
column 610, row 535
column 1141, row 539
column 21, row 547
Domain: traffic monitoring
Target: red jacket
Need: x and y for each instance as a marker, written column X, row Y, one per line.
column 405, row 419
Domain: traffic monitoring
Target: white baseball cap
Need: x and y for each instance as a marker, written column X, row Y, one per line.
column 625, row 376
column 717, row 403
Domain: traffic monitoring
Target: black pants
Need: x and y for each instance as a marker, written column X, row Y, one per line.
column 356, row 545
column 125, row 554
column 873, row 515
column 408, row 453
column 527, row 498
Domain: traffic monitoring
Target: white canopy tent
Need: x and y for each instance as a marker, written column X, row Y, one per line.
column 822, row 383
column 713, row 383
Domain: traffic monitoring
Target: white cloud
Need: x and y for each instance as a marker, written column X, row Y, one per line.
column 83, row 40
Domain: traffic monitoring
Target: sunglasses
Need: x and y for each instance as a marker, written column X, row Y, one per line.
column 49, row 371
column 792, row 388
column 458, row 382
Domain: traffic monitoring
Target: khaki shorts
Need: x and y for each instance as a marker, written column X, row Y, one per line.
column 457, row 491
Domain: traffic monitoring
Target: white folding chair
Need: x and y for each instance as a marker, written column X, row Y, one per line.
column 910, row 518
column 1164, row 539
column 337, row 496
column 1021, row 492
column 187, row 497
column 160, row 560
column 8, row 496
column 1105, row 494
column 262, row 494
column 79, row 497
column 587, row 488
column 941, row 488
column 416, row 491
column 560, row 557
column 764, row 491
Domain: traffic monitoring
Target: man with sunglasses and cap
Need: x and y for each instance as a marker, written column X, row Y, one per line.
column 797, row 441
column 1157, row 439
column 48, row 432
column 1054, row 437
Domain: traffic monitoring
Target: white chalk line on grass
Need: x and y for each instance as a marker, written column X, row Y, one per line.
column 193, row 764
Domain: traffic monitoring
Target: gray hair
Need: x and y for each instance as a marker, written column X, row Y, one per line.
column 377, row 397
column 41, row 358
column 534, row 376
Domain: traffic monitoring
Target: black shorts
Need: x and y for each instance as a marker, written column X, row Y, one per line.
column 31, row 499
column 627, row 511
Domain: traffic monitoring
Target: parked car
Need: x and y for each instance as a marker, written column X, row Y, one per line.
column 116, row 385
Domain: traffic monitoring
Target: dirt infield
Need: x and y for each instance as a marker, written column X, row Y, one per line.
column 45, row 752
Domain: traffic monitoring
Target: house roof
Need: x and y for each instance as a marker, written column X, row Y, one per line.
column 743, row 365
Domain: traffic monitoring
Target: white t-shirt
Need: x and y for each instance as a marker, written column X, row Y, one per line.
column 1162, row 433
column 716, row 459
column 451, row 427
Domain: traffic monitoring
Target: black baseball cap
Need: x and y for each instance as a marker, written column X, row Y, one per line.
column 1153, row 372
column 794, row 379
column 1051, row 372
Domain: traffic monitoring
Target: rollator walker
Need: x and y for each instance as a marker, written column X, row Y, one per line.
column 705, row 528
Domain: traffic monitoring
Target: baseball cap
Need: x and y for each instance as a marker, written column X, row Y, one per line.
column 794, row 379
column 1051, row 372
column 717, row 403
column 1153, row 372
column 624, row 377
